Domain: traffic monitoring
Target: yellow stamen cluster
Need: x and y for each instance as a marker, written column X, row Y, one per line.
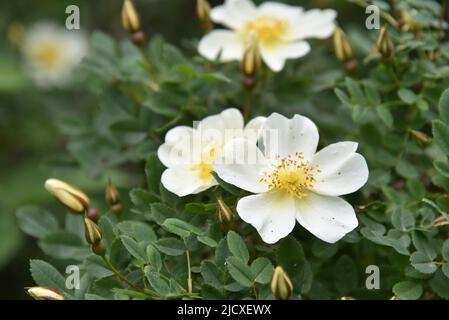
column 293, row 175
column 48, row 54
column 269, row 30
column 204, row 167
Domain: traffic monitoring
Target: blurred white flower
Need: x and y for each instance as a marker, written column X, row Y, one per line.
column 188, row 152
column 293, row 182
column 280, row 28
column 52, row 52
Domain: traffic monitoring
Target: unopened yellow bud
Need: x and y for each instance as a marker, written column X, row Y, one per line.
column 395, row 298
column 42, row 293
column 130, row 17
column 346, row 298
column 72, row 198
column 281, row 285
column 99, row 248
column 440, row 221
column 384, row 43
column 342, row 47
column 225, row 214
column 420, row 137
column 112, row 195
column 92, row 231
column 251, row 57
column 203, row 10
column 408, row 23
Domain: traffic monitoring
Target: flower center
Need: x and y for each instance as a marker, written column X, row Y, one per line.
column 204, row 167
column 293, row 175
column 269, row 30
column 48, row 54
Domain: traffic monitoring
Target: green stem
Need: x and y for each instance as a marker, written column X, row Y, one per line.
column 189, row 280
column 120, row 276
column 247, row 109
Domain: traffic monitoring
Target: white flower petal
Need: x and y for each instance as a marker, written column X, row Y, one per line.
column 275, row 56
column 328, row 218
column 315, row 23
column 224, row 43
column 242, row 164
column 282, row 136
column 346, row 176
column 176, row 149
column 182, row 181
column 279, row 10
column 271, row 213
column 233, row 13
column 221, row 127
column 253, row 128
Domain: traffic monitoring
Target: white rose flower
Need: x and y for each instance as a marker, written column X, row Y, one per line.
column 292, row 182
column 188, row 152
column 52, row 52
column 280, row 28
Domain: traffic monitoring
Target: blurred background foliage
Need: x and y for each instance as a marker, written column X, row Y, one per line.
column 35, row 123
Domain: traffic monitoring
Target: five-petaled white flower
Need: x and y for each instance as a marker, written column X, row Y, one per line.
column 292, row 182
column 280, row 29
column 188, row 152
column 52, row 52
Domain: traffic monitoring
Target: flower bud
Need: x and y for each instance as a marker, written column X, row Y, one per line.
column 281, row 285
column 342, row 47
column 225, row 214
column 420, row 137
column 93, row 214
column 117, row 208
column 251, row 57
column 99, row 248
column 203, row 10
column 92, row 231
column 384, row 43
column 42, row 293
column 395, row 298
column 408, row 23
column 440, row 221
column 72, row 198
column 130, row 17
column 346, row 298
column 112, row 195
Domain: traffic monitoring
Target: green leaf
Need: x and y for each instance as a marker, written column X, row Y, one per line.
column 180, row 228
column 36, row 222
column 423, row 244
column 445, row 269
column 355, row 91
column 445, row 250
column 440, row 131
column 406, row 170
column 422, row 263
column 440, row 284
column 212, row 275
column 154, row 257
column 170, row 246
column 343, row 97
column 262, row 270
column 442, row 167
column 240, row 271
column 138, row 230
column 160, row 212
column 443, row 106
column 153, row 171
column 290, row 256
column 156, row 282
column 46, row 275
column 64, row 245
column 385, row 115
column 408, row 290
column 135, row 248
column 96, row 267
column 403, row 220
column 237, row 246
column 345, row 275
column 407, row 96
column 208, row 241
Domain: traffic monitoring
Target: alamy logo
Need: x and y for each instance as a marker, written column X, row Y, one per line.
column 373, row 20
column 72, row 22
